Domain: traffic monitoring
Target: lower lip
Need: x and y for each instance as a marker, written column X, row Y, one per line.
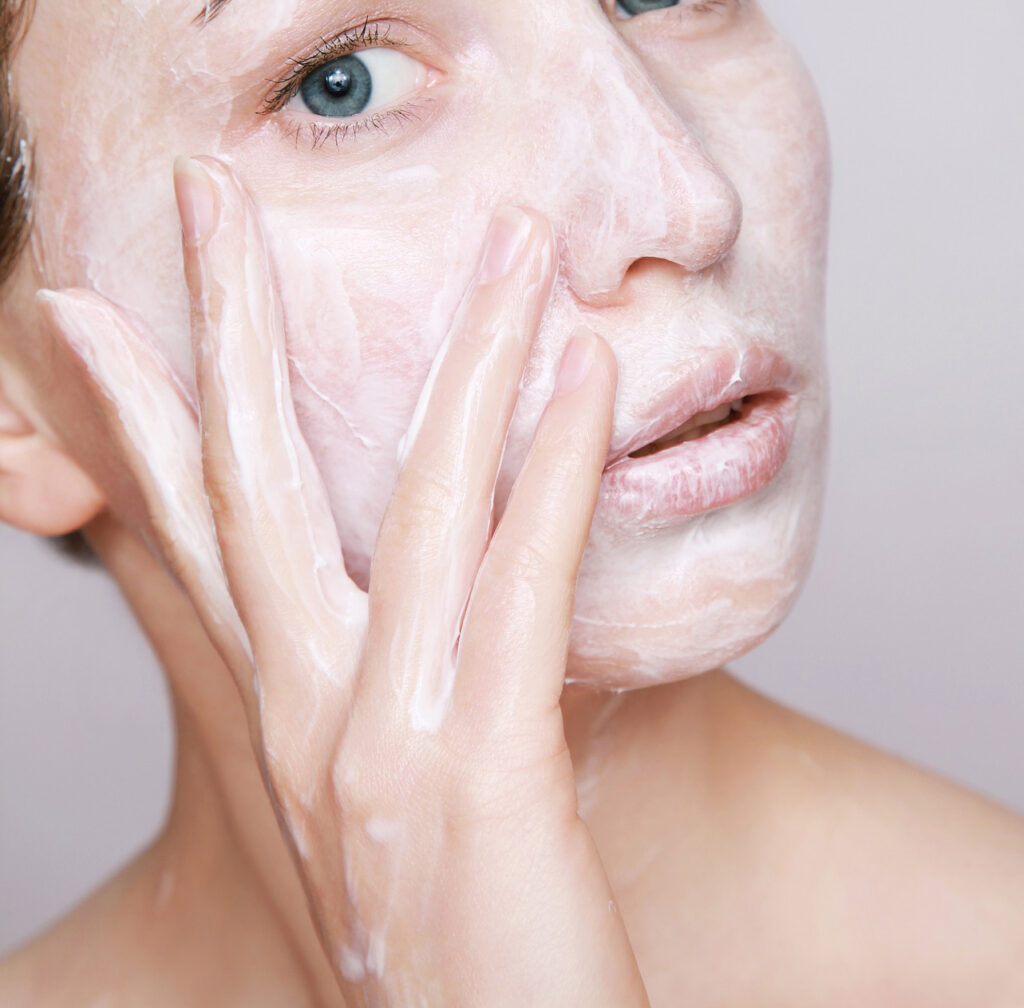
column 720, row 468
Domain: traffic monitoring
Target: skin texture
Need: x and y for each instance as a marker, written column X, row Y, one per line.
column 384, row 795
column 685, row 179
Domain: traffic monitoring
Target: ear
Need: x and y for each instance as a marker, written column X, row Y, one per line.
column 42, row 489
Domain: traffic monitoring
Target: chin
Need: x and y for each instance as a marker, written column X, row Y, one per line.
column 700, row 635
column 658, row 606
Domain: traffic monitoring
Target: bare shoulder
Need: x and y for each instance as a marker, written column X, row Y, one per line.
column 904, row 877
column 158, row 936
column 80, row 959
column 45, row 971
column 18, row 985
column 771, row 860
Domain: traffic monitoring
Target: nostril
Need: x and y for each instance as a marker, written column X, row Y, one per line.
column 699, row 230
column 668, row 201
column 603, row 288
column 636, row 281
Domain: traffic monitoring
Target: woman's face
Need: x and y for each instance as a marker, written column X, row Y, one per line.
column 679, row 153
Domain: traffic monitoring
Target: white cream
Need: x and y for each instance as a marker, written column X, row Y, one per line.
column 641, row 165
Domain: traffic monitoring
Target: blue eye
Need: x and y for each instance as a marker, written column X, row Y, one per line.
column 643, row 6
column 343, row 87
column 359, row 82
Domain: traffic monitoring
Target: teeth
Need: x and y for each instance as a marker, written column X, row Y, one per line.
column 694, row 428
column 712, row 417
column 701, row 420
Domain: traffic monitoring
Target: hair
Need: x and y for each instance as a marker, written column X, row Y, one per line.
column 16, row 188
column 15, row 162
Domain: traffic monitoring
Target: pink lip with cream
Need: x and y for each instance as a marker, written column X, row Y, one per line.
column 718, row 436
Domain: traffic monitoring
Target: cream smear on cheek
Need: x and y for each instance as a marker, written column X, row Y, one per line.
column 617, row 177
column 104, row 203
column 372, row 259
column 153, row 86
column 367, row 316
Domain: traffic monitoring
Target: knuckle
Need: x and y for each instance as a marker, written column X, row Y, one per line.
column 375, row 776
column 225, row 495
column 423, row 496
column 296, row 744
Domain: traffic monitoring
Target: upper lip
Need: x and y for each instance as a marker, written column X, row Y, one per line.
column 721, row 376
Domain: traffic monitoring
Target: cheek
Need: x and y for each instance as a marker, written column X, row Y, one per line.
column 104, row 149
column 367, row 304
column 760, row 119
column 123, row 241
column 776, row 146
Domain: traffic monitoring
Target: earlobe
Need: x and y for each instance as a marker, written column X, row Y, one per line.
column 42, row 489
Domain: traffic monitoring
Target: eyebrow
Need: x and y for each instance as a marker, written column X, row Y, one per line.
column 210, row 10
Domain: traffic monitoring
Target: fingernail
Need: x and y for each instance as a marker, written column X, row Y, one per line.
column 505, row 243
column 577, row 360
column 197, row 200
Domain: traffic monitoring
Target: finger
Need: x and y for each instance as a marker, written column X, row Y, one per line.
column 274, row 525
column 437, row 524
column 155, row 428
column 514, row 643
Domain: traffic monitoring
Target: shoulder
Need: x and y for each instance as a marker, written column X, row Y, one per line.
column 81, row 959
column 767, row 859
column 35, row 975
column 19, row 980
column 882, row 870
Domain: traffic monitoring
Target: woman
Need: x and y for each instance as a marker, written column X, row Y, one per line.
column 387, row 348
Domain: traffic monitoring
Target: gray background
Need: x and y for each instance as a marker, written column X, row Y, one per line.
column 907, row 634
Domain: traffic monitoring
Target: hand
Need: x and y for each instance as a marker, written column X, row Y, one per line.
column 411, row 736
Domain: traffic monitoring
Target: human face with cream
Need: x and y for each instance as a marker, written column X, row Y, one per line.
column 678, row 153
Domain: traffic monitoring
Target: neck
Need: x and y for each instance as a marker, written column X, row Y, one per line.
column 221, row 863
column 220, row 878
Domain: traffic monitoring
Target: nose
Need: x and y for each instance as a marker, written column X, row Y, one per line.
column 643, row 187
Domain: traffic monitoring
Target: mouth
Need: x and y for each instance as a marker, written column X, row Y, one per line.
column 718, row 437
column 696, row 427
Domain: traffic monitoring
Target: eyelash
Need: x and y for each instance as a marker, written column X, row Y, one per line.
column 320, row 135
column 696, row 7
column 366, row 36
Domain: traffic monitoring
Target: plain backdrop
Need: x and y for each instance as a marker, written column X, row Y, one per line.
column 908, row 633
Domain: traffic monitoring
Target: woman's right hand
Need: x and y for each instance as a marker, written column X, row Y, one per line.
column 411, row 737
